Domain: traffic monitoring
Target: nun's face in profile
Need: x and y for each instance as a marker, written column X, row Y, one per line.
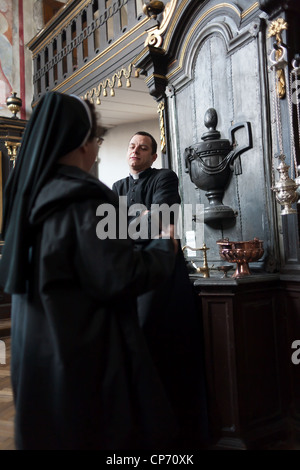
column 92, row 153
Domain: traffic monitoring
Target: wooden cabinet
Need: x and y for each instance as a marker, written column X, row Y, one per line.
column 245, row 333
column 290, row 305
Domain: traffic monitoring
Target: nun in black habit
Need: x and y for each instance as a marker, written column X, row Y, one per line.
column 81, row 373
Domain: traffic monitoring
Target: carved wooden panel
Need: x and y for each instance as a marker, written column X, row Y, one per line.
column 243, row 330
column 221, row 66
column 291, row 307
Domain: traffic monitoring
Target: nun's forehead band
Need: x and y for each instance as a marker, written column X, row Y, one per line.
column 88, row 111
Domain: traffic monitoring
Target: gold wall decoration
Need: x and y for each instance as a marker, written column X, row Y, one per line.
column 12, row 149
column 160, row 111
column 155, row 34
column 110, row 84
column 275, row 30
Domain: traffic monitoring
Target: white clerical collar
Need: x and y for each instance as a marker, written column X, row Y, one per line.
column 136, row 175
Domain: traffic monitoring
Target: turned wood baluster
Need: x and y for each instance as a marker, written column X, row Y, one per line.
column 69, row 61
column 90, row 38
column 59, row 62
column 79, row 46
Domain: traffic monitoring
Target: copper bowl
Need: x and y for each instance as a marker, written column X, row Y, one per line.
column 241, row 253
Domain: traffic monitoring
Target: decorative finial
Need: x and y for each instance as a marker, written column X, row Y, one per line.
column 153, row 8
column 211, row 121
column 14, row 104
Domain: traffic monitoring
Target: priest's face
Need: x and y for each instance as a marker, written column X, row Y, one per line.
column 139, row 153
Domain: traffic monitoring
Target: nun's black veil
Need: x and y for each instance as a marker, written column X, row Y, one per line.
column 59, row 124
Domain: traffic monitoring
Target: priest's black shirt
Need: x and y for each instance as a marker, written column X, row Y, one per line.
column 170, row 318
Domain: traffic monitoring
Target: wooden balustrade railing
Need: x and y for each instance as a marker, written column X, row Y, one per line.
column 75, row 35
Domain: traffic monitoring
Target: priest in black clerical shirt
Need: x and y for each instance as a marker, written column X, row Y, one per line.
column 169, row 316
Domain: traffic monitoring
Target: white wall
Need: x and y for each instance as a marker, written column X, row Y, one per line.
column 113, row 165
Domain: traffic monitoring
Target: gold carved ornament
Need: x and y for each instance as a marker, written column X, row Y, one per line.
column 275, row 30
column 110, row 83
column 160, row 111
column 12, row 149
column 155, row 34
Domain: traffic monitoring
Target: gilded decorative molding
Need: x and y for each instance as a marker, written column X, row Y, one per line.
column 12, row 148
column 275, row 30
column 154, row 75
column 250, row 10
column 7, row 125
column 94, row 61
column 110, row 83
column 192, row 30
column 160, row 111
column 155, row 34
column 203, row 16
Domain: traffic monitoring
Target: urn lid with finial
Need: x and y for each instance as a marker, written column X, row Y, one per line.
column 212, row 141
column 14, row 104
